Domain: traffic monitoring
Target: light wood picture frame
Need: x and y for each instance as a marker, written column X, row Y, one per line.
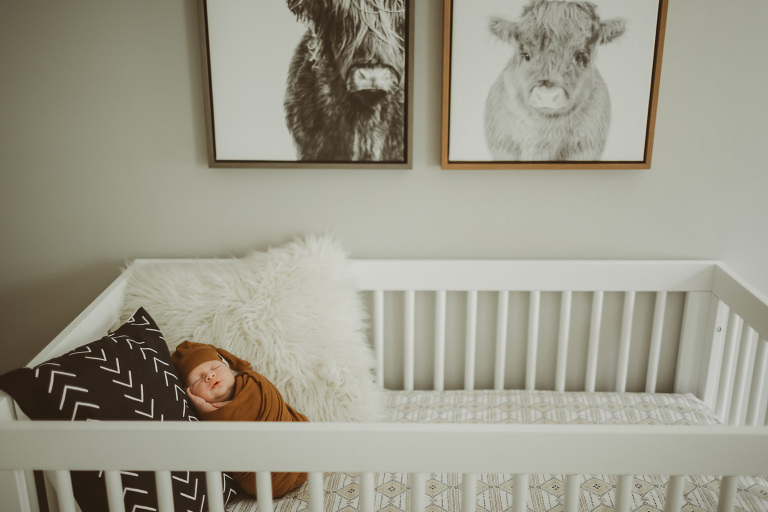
column 308, row 84
column 519, row 95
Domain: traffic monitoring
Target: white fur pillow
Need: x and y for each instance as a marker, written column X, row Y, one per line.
column 292, row 311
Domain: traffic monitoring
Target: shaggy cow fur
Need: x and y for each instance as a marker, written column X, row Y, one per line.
column 345, row 96
column 550, row 102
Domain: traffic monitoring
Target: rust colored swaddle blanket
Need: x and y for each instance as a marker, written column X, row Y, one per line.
column 255, row 399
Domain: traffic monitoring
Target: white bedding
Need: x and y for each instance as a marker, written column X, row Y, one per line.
column 495, row 491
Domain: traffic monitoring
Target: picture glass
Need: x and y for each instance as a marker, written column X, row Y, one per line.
column 550, row 81
column 292, row 82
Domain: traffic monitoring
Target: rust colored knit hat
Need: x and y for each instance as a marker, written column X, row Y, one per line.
column 189, row 355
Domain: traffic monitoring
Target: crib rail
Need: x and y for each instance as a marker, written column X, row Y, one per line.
column 415, row 449
column 572, row 326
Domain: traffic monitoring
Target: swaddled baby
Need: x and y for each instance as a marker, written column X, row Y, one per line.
column 223, row 387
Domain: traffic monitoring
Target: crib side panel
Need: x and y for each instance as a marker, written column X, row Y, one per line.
column 567, row 326
column 736, row 373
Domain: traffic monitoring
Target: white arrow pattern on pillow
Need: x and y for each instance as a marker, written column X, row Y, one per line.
column 194, row 495
column 167, row 374
column 159, row 361
column 85, row 349
column 126, row 384
column 115, row 370
column 37, row 368
column 130, row 341
column 139, row 398
column 143, row 349
column 64, row 394
column 102, row 358
column 151, row 413
column 126, row 490
column 53, row 375
column 84, row 404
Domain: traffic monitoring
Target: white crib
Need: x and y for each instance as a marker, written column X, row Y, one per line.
column 594, row 326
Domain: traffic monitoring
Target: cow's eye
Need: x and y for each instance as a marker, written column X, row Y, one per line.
column 526, row 56
column 582, row 58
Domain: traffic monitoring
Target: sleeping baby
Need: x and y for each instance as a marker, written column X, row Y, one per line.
column 223, row 387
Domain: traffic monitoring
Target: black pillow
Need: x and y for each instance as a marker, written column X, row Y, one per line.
column 126, row 375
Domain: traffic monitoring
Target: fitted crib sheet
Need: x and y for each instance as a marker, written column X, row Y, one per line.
column 546, row 492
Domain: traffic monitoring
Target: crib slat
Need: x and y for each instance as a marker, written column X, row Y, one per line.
column 470, row 341
column 264, row 491
column 316, row 491
column 563, row 338
column 114, row 491
column 655, row 350
column 410, row 333
column 758, row 384
column 502, row 320
column 626, row 337
column 521, row 493
column 595, row 322
column 674, row 499
column 572, row 488
column 725, row 388
column 468, row 492
column 440, row 302
column 164, row 491
column 418, row 491
column 533, row 340
column 367, row 489
column 727, row 494
column 742, row 372
column 714, row 368
column 215, row 491
column 64, row 491
column 378, row 335
column 624, row 493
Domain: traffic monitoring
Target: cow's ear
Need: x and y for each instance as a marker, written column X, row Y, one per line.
column 611, row 29
column 503, row 29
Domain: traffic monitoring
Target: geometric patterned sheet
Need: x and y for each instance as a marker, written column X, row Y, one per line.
column 546, row 492
column 520, row 406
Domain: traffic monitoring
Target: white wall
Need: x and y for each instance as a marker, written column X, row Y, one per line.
column 102, row 159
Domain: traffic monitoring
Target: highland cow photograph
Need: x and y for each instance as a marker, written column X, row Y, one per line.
column 299, row 83
column 550, row 83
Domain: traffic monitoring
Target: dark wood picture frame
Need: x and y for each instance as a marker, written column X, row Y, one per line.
column 474, row 58
column 247, row 50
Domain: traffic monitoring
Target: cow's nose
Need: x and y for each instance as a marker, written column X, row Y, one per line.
column 548, row 97
column 373, row 78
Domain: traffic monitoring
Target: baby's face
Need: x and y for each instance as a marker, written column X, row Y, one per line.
column 212, row 381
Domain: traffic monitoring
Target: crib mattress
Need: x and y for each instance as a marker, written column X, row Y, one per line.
column 495, row 491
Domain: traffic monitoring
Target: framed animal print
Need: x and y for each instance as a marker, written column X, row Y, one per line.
column 550, row 84
column 296, row 83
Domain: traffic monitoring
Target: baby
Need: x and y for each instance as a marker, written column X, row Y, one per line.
column 223, row 387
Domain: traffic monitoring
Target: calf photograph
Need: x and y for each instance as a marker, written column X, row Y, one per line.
column 550, row 83
column 299, row 83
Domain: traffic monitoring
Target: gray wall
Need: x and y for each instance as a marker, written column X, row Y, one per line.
column 102, row 158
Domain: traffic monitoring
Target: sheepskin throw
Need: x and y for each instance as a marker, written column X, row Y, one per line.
column 292, row 311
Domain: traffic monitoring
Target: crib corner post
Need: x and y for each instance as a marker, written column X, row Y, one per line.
column 700, row 341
